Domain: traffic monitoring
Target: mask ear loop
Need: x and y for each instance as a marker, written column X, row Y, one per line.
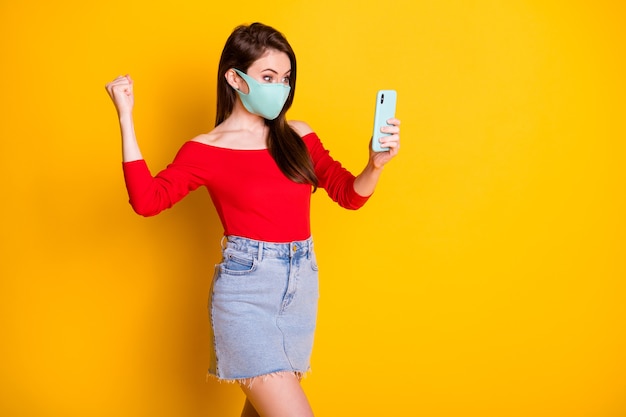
column 242, row 76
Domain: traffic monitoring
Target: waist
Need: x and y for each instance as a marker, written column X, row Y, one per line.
column 292, row 249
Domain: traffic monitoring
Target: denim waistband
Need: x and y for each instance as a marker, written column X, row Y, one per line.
column 298, row 248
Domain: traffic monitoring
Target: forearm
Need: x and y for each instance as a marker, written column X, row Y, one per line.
column 365, row 182
column 130, row 147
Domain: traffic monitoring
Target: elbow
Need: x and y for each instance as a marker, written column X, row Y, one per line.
column 353, row 206
column 144, row 210
column 351, row 201
column 149, row 204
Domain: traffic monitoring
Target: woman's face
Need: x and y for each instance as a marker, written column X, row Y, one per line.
column 272, row 67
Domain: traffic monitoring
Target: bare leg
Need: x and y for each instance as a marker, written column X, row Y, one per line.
column 276, row 396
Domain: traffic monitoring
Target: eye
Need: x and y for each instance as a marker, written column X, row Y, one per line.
column 268, row 78
column 286, row 80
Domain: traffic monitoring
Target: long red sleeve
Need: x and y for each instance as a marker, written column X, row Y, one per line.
column 252, row 196
column 333, row 177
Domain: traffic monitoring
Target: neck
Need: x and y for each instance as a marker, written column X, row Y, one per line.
column 242, row 119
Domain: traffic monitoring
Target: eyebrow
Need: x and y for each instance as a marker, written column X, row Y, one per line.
column 274, row 71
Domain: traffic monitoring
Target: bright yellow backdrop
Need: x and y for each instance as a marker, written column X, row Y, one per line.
column 485, row 277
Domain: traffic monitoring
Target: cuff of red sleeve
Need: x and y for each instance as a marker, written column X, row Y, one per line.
column 356, row 200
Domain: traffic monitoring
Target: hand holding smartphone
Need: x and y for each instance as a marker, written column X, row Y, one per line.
column 385, row 110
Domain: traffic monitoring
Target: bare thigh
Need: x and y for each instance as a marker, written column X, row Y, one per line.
column 278, row 396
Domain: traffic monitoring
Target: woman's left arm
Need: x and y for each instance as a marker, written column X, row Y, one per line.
column 365, row 182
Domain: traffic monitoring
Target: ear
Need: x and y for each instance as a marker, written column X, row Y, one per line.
column 232, row 78
column 235, row 81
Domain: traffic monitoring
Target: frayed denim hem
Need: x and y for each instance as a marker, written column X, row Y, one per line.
column 248, row 382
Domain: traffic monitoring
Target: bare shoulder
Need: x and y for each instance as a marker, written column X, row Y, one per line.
column 301, row 128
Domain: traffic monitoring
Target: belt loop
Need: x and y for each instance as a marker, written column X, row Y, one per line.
column 310, row 247
column 260, row 255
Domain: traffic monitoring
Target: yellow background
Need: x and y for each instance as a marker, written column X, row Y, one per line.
column 484, row 278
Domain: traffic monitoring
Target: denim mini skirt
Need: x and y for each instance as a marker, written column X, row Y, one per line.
column 263, row 309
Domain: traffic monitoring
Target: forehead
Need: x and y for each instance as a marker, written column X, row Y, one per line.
column 272, row 59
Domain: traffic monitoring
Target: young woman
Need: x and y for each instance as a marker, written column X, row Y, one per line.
column 260, row 171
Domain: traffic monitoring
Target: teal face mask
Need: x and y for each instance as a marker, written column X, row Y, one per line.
column 265, row 100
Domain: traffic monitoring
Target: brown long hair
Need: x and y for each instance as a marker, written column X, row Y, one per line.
column 246, row 44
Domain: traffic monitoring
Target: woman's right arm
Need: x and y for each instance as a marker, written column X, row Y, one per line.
column 150, row 195
column 121, row 92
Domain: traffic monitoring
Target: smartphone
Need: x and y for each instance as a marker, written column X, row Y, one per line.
column 385, row 109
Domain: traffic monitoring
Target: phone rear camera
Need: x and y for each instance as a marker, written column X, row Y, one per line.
column 382, row 98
